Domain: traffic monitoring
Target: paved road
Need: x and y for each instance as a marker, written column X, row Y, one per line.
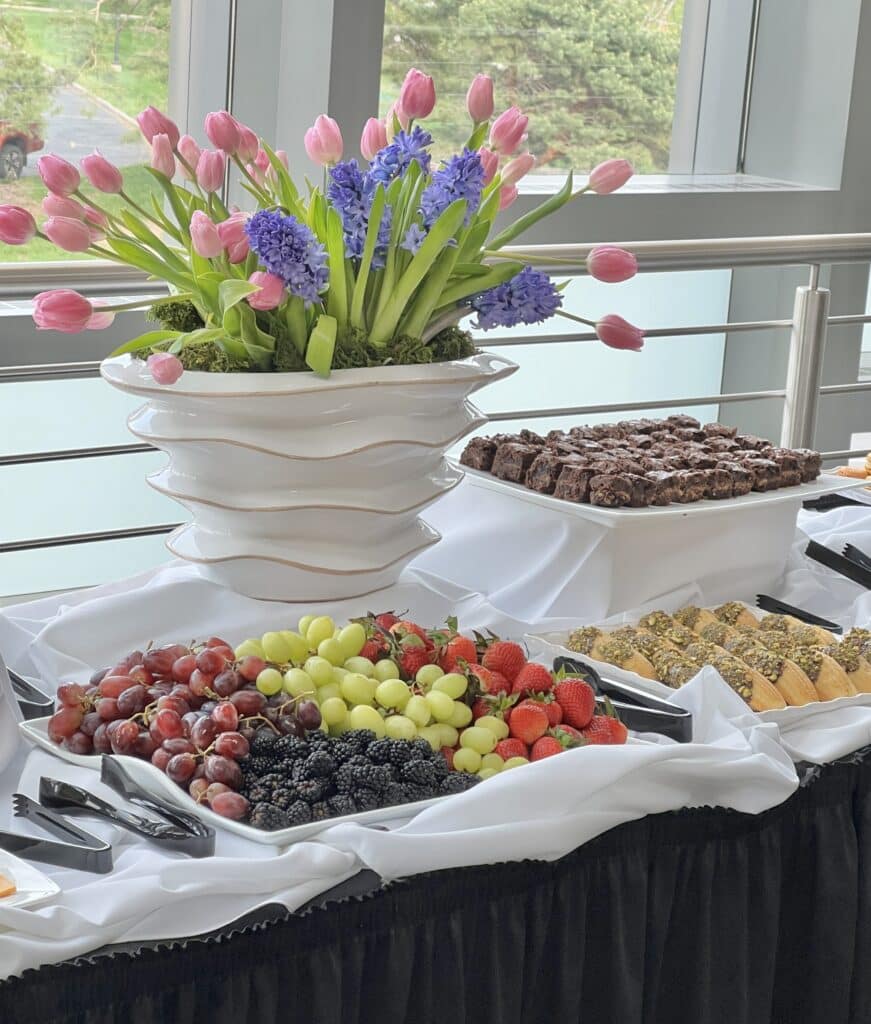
column 78, row 126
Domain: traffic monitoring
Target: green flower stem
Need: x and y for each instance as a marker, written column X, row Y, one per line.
column 264, row 195
column 163, row 225
column 577, row 319
column 448, row 319
column 144, row 303
column 296, row 323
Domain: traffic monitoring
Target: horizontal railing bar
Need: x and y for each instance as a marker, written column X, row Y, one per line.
column 586, row 410
column 849, row 318
column 21, row 281
column 49, row 371
column 844, row 389
column 853, row 453
column 86, row 538
column 27, row 458
column 654, row 332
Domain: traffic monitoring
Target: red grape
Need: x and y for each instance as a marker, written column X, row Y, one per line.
column 107, row 708
column 64, row 723
column 214, row 788
column 176, row 704
column 70, row 694
column 92, row 691
column 113, row 727
column 227, row 682
column 90, row 723
column 114, row 686
column 145, row 745
column 200, row 682
column 201, row 771
column 290, row 726
column 168, row 723
column 309, row 714
column 248, row 702
column 189, row 720
column 183, row 666
column 140, row 674
column 203, row 733
column 161, row 758
column 97, row 677
column 155, row 733
column 124, row 738
column 183, row 693
column 227, row 652
column 226, row 717
column 223, row 769
column 134, row 658
column 159, row 661
column 101, row 740
column 216, row 641
column 179, row 745
column 250, row 667
column 210, row 662
column 230, row 805
column 197, row 789
column 181, row 767
column 231, row 744
column 208, row 706
column 79, row 743
column 132, row 701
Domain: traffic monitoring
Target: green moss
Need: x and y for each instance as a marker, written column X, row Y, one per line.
column 175, row 315
column 209, row 357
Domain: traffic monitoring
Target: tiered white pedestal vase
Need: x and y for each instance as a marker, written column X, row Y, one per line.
column 302, row 488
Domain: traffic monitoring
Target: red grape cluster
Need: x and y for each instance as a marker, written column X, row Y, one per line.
column 191, row 711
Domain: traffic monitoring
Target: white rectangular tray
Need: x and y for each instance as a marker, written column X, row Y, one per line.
column 155, row 782
column 32, row 885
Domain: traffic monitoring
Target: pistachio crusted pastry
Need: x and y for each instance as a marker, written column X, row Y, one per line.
column 851, row 661
column 860, row 639
column 673, row 668
column 802, row 632
column 829, row 679
column 694, row 618
column 583, row 639
column 620, row 652
column 664, row 626
column 733, row 613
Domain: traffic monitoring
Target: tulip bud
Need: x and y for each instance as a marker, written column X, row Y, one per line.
column 164, row 367
column 395, row 113
column 62, row 206
column 507, row 195
column 282, row 156
column 68, row 233
column 58, row 174
column 17, row 225
column 271, row 293
column 95, row 217
column 490, row 163
column 249, row 144
column 261, row 160
column 152, row 123
column 102, row 174
column 612, row 264
column 323, row 141
column 61, row 310
column 417, row 96
column 616, row 332
column 609, row 176
column 256, row 173
column 211, row 168
column 161, row 155
column 234, row 237
column 99, row 319
column 190, row 153
column 479, row 98
column 373, row 139
column 508, row 131
column 204, row 236
column 517, row 168
column 223, row 131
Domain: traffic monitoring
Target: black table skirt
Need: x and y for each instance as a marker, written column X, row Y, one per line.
column 699, row 917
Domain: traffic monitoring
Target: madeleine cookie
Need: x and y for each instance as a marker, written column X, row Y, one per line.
column 829, row 679
column 860, row 639
column 620, row 652
column 665, row 627
column 733, row 613
column 7, row 887
column 694, row 618
column 851, row 661
column 805, row 634
column 749, row 684
column 673, row 668
column 582, row 640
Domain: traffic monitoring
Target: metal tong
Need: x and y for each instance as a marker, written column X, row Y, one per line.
column 856, row 569
column 638, row 709
column 73, row 848
column 32, row 701
column 772, row 604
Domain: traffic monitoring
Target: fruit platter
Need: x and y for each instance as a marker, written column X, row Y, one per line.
column 327, row 722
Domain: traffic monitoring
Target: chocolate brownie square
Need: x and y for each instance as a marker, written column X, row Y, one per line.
column 700, row 460
column 479, row 454
column 573, row 483
column 651, row 465
column 790, row 466
column 639, row 440
column 721, row 444
column 513, row 460
column 666, row 487
column 719, row 430
column 749, row 442
column 542, row 475
column 643, row 491
column 680, row 420
column 530, row 437
column 610, row 490
column 689, row 434
column 718, row 483
column 583, row 433
column 693, row 485
column 557, row 437
column 810, row 463
column 662, row 435
column 627, row 465
column 742, row 479
column 766, row 473
column 612, row 443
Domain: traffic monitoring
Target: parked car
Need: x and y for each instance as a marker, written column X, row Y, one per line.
column 14, row 148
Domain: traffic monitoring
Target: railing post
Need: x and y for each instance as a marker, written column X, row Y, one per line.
column 807, row 344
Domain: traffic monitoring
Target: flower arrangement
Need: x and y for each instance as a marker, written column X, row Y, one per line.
column 376, row 266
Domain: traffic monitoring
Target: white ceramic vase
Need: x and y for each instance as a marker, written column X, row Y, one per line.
column 300, row 488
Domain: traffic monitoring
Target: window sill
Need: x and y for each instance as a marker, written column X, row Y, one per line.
column 681, row 184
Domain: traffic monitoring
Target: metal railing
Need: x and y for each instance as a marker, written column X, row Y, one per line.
column 801, row 394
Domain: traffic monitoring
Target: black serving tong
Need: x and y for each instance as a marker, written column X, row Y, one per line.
column 73, row 847
column 852, row 570
column 776, row 607
column 858, row 556
column 638, row 710
column 32, row 701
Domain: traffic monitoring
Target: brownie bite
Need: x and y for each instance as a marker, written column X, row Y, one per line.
column 718, row 484
column 693, row 485
column 721, row 444
column 512, row 461
column 749, row 442
column 643, row 491
column 610, row 490
column 810, row 463
column 639, row 440
column 742, row 479
column 573, row 483
column 530, row 437
column 790, row 466
column 680, row 420
column 766, row 473
column 545, row 469
column 479, row 454
column 719, row 430
column 700, row 460
column 667, row 487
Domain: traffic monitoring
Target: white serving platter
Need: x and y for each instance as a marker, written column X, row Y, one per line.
column 32, row 886
column 155, row 783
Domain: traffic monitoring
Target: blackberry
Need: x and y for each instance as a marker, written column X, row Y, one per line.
column 394, row 794
column 421, row 748
column 379, row 751
column 263, row 743
column 342, row 804
column 376, row 777
column 272, row 779
column 359, row 739
column 316, row 738
column 413, row 793
column 299, row 813
column 258, row 766
column 268, row 817
column 342, row 752
column 259, row 794
column 283, row 798
column 458, row 782
column 311, row 790
column 289, row 748
column 318, row 765
column 366, row 799
column 421, row 773
column 321, row 811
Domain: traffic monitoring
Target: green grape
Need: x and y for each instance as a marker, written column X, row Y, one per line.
column 428, row 674
column 250, row 647
column 467, row 760
column 352, row 638
column 362, row 665
column 365, row 717
column 269, row 681
column 481, row 740
column 418, row 710
column 461, row 715
column 358, row 689
column 275, row 648
column 298, row 647
column 398, row 727
column 328, row 691
column 493, row 761
column 432, row 734
column 440, row 704
column 514, row 762
column 339, row 673
column 498, row 726
column 304, row 624
column 449, row 735
column 320, row 670
column 392, row 693
column 453, row 684
column 487, row 773
column 297, row 682
column 319, row 629
column 341, row 727
column 331, row 649
column 334, row 711
column 386, row 669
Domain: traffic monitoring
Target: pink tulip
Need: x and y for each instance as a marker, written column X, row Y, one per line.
column 609, row 176
column 616, row 332
column 99, row 320
column 68, row 233
column 507, row 195
column 490, row 163
column 248, row 143
column 271, row 292
column 373, row 139
column 323, row 141
column 261, row 160
column 508, row 131
column 62, row 310
column 161, row 155
column 479, row 98
column 211, row 168
column 282, row 156
column 17, row 225
column 204, row 236
column 395, row 112
column 152, row 123
column 62, row 206
column 234, row 237
column 102, row 174
column 190, row 153
column 223, row 131
column 95, row 217
column 164, row 367
column 255, row 172
column 58, row 174
column 417, row 96
column 611, row 263
column 517, row 168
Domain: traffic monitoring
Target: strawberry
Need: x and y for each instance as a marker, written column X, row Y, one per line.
column 577, row 701
column 547, row 746
column 564, row 731
column 458, row 648
column 532, row 677
column 481, row 707
column 528, row 723
column 386, row 620
column 550, row 707
column 504, row 657
column 405, row 628
column 603, row 729
column 374, row 649
column 448, row 755
column 511, row 748
column 490, row 682
column 413, row 659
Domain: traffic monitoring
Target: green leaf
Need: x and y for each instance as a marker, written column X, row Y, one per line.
column 321, row 345
column 495, row 275
column 534, row 216
column 429, row 294
column 296, row 323
column 133, row 253
column 288, row 192
column 479, row 135
column 252, row 336
column 469, row 270
column 144, row 341
column 179, row 206
column 376, row 212
column 139, row 229
column 231, row 291
column 337, row 292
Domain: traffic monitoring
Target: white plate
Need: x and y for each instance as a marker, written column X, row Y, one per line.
column 32, row 885
column 825, row 484
column 155, row 782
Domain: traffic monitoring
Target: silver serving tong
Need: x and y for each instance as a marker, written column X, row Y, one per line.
column 73, row 848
